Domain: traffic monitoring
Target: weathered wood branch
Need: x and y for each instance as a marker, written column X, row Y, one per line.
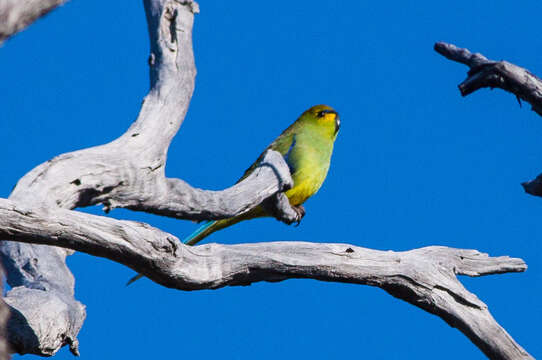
column 491, row 74
column 128, row 172
column 41, row 280
column 4, row 314
column 15, row 15
column 424, row 277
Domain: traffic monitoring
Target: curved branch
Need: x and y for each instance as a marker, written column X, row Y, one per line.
column 15, row 15
column 486, row 73
column 424, row 277
column 33, row 268
column 498, row 74
column 128, row 172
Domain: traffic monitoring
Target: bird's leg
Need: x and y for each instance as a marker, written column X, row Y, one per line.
column 300, row 211
column 280, row 208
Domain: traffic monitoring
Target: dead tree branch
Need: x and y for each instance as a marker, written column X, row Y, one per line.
column 15, row 15
column 4, row 314
column 128, row 172
column 491, row 74
column 424, row 277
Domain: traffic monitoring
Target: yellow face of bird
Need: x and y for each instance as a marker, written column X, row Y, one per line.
column 325, row 117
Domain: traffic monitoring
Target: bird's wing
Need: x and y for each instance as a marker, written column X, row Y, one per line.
column 287, row 157
column 283, row 144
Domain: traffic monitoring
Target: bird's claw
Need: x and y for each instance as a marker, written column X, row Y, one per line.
column 300, row 211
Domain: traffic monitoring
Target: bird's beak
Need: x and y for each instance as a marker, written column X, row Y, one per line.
column 337, row 123
column 332, row 115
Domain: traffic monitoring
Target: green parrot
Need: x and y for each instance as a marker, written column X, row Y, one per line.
column 306, row 145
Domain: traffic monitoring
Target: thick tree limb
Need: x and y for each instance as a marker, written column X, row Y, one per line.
column 128, row 172
column 424, row 277
column 33, row 268
column 15, row 15
column 498, row 74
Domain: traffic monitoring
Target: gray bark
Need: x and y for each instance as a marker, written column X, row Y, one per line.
column 15, row 15
column 485, row 73
column 4, row 313
column 129, row 173
column 424, row 277
column 43, row 285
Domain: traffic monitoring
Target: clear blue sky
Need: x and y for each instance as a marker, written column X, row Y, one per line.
column 414, row 164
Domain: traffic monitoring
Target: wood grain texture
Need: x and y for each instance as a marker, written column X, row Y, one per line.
column 424, row 277
column 129, row 173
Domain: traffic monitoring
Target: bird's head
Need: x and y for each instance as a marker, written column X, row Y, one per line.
column 325, row 117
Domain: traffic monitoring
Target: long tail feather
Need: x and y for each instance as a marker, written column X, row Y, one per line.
column 201, row 232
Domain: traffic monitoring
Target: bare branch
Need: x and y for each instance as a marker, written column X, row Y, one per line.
column 424, row 277
column 498, row 74
column 495, row 74
column 48, row 267
column 128, row 172
column 4, row 314
column 15, row 15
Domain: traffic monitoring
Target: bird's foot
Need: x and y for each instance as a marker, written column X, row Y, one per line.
column 280, row 208
column 300, row 211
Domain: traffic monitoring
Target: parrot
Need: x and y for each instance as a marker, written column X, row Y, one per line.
column 307, row 146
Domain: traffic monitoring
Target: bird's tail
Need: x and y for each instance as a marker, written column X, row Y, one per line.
column 203, row 231
column 209, row 227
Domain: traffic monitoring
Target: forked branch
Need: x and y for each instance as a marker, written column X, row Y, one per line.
column 129, row 172
column 424, row 277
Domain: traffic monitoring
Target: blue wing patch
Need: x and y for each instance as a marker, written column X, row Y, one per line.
column 287, row 157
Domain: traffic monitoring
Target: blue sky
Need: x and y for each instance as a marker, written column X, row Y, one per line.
column 415, row 164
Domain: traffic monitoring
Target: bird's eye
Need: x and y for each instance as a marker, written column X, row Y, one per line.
column 324, row 112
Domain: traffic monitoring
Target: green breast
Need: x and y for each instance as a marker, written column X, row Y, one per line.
column 309, row 160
